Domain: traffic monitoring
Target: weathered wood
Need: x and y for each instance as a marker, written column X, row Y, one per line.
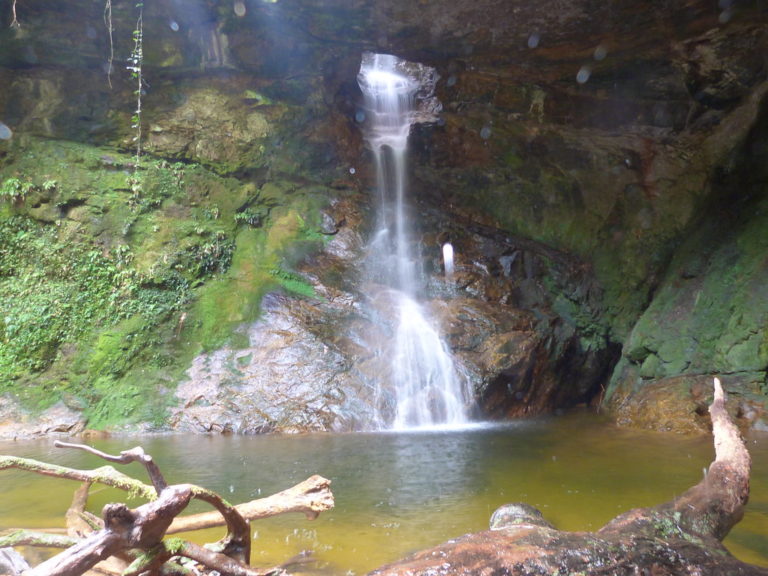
column 309, row 497
column 237, row 543
column 681, row 537
column 123, row 531
column 716, row 504
column 105, row 475
column 11, row 562
column 136, row 454
column 80, row 522
column 35, row 538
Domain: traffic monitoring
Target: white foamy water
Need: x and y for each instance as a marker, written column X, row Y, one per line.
column 425, row 387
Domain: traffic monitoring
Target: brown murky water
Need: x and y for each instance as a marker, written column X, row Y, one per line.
column 396, row 493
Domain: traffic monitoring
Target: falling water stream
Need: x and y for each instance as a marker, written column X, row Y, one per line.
column 425, row 388
column 448, row 261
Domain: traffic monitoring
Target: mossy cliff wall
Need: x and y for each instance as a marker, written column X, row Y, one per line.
column 599, row 170
column 117, row 270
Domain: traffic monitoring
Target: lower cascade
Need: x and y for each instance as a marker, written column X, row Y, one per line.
column 423, row 387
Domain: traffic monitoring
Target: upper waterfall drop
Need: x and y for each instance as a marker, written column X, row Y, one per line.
column 423, row 387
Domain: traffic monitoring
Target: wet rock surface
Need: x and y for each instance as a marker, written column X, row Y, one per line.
column 16, row 423
column 287, row 380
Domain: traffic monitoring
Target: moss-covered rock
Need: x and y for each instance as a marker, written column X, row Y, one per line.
column 116, row 273
column 710, row 314
column 214, row 123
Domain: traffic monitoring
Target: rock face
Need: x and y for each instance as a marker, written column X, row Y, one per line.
column 707, row 316
column 598, row 167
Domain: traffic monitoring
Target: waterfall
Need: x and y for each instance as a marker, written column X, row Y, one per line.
column 425, row 389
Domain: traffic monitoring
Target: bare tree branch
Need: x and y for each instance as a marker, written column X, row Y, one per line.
column 309, row 497
column 80, row 522
column 105, row 475
column 34, row 538
column 136, row 454
column 683, row 536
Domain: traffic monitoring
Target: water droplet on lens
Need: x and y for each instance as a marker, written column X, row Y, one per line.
column 485, row 132
column 174, row 25
column 5, row 132
column 352, row 170
column 583, row 74
column 600, row 52
column 239, row 8
column 451, row 81
column 533, row 40
column 359, row 116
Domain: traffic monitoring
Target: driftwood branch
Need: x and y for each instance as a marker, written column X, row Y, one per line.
column 105, row 475
column 124, row 529
column 237, row 542
column 139, row 533
column 34, row 538
column 136, row 454
column 716, row 504
column 309, row 497
column 675, row 538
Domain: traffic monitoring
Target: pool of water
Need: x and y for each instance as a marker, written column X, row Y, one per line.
column 400, row 492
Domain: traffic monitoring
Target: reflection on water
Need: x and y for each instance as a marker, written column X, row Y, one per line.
column 398, row 492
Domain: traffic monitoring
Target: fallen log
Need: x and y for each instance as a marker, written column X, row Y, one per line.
column 681, row 537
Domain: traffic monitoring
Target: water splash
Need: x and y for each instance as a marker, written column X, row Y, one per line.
column 448, row 261
column 425, row 388
column 428, row 390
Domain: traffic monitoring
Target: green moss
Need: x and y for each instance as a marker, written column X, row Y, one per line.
column 713, row 291
column 259, row 264
column 112, row 352
column 174, row 545
column 234, row 298
column 109, row 292
column 293, row 283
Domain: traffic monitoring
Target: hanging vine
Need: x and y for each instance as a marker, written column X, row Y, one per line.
column 14, row 21
column 110, row 29
column 135, row 62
